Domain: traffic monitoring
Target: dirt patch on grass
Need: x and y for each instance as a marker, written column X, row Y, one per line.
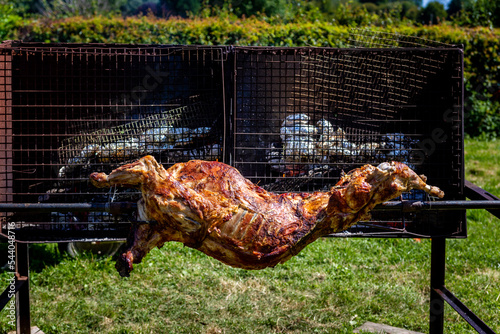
column 490, row 273
column 230, row 287
column 213, row 329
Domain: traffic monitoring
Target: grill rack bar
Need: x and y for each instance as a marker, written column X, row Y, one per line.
column 113, row 207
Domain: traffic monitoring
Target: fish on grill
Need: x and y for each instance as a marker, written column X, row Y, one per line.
column 211, row 207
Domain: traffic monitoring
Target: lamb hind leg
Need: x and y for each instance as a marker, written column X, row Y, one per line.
column 359, row 191
column 409, row 179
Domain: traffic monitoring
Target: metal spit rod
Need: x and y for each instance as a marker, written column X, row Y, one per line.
column 415, row 206
column 125, row 207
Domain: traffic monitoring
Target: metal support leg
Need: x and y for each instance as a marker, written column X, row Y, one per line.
column 438, row 262
column 23, row 294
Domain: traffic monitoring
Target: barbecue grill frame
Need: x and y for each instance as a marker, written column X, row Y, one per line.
column 439, row 293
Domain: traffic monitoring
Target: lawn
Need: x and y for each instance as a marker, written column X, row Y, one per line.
column 333, row 286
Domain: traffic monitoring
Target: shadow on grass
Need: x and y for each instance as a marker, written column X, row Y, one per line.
column 40, row 256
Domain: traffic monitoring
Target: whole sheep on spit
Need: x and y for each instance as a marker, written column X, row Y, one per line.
column 211, row 207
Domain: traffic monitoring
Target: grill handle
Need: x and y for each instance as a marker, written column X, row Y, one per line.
column 415, row 206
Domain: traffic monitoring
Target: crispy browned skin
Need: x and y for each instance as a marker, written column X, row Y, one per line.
column 211, row 207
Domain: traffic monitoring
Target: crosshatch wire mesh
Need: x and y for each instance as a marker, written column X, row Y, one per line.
column 303, row 116
column 296, row 119
column 367, row 38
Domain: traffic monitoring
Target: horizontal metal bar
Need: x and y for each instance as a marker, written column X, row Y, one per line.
column 46, row 241
column 414, row 206
column 464, row 311
column 114, row 207
column 124, row 207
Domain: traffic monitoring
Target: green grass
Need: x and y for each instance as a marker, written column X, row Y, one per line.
column 333, row 286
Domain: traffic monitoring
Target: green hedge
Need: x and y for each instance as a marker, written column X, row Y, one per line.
column 481, row 45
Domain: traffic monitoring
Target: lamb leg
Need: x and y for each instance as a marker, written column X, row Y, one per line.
column 359, row 191
column 141, row 240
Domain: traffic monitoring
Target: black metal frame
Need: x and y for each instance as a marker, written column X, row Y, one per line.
column 21, row 290
column 290, row 64
column 263, row 98
column 439, row 293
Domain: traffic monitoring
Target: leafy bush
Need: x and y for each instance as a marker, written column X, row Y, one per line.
column 85, row 8
column 482, row 115
column 433, row 13
column 9, row 20
column 182, row 7
column 476, row 13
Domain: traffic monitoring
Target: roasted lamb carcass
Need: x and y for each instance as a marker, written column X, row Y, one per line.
column 211, row 207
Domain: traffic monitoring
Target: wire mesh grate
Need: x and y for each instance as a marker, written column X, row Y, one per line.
column 77, row 109
column 289, row 119
column 368, row 38
column 303, row 116
column 6, row 178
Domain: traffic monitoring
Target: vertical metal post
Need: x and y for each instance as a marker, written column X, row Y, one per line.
column 6, row 169
column 23, row 294
column 438, row 262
